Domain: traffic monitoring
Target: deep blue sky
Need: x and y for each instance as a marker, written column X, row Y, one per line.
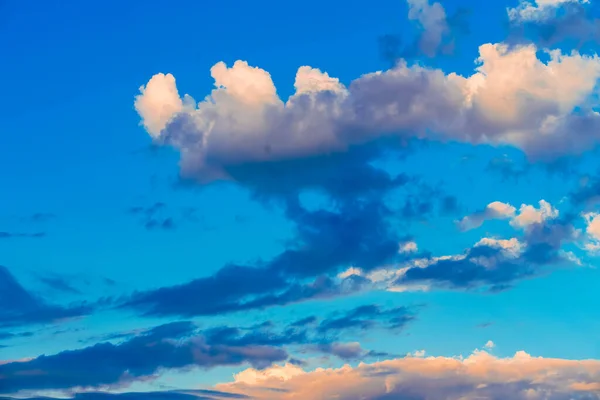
column 102, row 228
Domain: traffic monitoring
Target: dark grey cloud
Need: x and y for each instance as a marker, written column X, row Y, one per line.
column 367, row 317
column 124, row 357
column 354, row 230
column 196, row 394
column 171, row 346
column 20, row 307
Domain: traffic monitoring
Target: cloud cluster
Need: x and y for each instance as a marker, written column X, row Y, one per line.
column 123, row 358
column 513, row 97
column 478, row 376
column 172, row 346
column 492, row 263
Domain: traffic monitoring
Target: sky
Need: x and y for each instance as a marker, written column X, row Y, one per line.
column 277, row 200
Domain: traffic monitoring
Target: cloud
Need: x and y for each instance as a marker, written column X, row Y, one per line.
column 543, row 109
column 121, row 358
column 489, row 345
column 592, row 230
column 355, row 232
column 527, row 215
column 436, row 32
column 498, row 264
column 195, row 394
column 491, row 263
column 408, row 247
column 154, row 216
column 171, row 346
column 480, row 375
column 433, row 23
column 348, row 351
column 39, row 217
column 494, row 210
column 368, row 317
column 13, row 235
column 157, row 102
column 58, row 283
column 551, row 22
column 20, row 307
column 284, row 372
column 539, row 10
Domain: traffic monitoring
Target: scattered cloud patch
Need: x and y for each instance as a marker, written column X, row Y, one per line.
column 494, row 210
column 539, row 10
column 18, row 307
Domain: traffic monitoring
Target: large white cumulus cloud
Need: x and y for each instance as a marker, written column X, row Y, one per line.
column 479, row 376
column 512, row 97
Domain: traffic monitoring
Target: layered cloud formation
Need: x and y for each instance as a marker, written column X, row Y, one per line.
column 478, row 376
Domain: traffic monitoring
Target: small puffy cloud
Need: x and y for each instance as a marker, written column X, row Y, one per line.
column 494, row 210
column 539, row 10
column 489, row 345
column 408, row 247
column 512, row 97
column 510, row 246
column 592, row 229
column 418, row 353
column 480, row 375
column 433, row 22
column 158, row 102
column 525, row 216
column 283, row 372
column 529, row 215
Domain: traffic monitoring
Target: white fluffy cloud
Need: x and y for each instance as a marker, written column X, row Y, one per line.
column 479, row 376
column 529, row 215
column 494, row 210
column 408, row 247
column 511, row 98
column 158, row 102
column 526, row 215
column 539, row 10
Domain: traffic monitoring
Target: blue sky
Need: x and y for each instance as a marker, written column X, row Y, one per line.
column 151, row 241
